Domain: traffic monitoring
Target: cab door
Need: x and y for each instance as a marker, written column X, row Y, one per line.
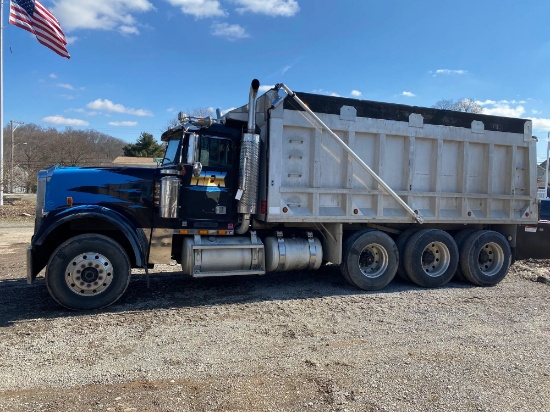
column 208, row 199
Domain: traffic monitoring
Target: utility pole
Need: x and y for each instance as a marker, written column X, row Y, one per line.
column 17, row 124
column 1, row 105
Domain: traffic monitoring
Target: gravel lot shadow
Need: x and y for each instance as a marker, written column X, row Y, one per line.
column 21, row 301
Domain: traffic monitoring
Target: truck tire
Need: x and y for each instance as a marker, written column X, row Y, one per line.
column 370, row 260
column 347, row 244
column 401, row 242
column 88, row 271
column 459, row 238
column 485, row 258
column 430, row 258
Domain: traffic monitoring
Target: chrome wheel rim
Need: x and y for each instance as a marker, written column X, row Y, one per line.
column 89, row 274
column 436, row 259
column 490, row 259
column 373, row 260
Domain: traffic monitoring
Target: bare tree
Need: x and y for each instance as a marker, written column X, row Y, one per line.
column 74, row 148
column 195, row 112
column 201, row 112
column 38, row 148
column 463, row 105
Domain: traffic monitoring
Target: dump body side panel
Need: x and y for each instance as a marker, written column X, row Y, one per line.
column 450, row 167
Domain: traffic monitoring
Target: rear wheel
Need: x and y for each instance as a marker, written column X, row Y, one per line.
column 401, row 242
column 88, row 272
column 485, row 258
column 369, row 260
column 431, row 258
column 459, row 238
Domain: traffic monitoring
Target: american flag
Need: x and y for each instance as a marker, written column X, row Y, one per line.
column 34, row 17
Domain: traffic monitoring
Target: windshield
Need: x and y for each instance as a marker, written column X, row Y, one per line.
column 172, row 155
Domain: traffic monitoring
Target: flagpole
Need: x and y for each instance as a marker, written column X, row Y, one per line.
column 1, row 104
column 547, row 160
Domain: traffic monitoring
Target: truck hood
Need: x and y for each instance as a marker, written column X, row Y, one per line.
column 124, row 187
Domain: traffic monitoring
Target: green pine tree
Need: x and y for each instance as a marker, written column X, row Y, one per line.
column 145, row 146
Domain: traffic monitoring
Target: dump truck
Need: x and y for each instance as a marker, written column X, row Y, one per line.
column 292, row 182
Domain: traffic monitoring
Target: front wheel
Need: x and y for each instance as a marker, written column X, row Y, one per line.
column 370, row 260
column 88, row 271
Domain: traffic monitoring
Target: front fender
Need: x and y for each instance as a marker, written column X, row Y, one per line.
column 135, row 235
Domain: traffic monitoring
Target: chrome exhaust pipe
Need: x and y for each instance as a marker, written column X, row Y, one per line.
column 249, row 165
column 254, row 86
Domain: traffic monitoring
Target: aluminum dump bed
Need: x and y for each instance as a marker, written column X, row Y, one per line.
column 449, row 167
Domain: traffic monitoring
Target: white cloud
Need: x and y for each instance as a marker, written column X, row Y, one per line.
column 500, row 102
column 66, row 86
column 126, row 123
column 356, row 93
column 229, row 31
column 448, row 72
column 52, row 76
column 285, row 8
column 508, row 102
column 199, row 8
column 128, row 30
column 82, row 111
column 109, row 106
column 225, row 111
column 505, row 110
column 486, row 102
column 64, row 121
column 326, row 93
column 69, row 86
column 100, row 14
column 265, row 87
column 541, row 124
column 514, row 108
column 408, row 94
column 285, row 69
column 71, row 39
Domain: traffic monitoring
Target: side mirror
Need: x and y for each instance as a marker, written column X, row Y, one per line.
column 192, row 149
column 197, row 169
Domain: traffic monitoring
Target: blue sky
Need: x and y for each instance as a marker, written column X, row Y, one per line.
column 136, row 63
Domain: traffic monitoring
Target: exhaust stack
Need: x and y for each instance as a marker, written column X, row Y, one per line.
column 249, row 165
column 254, row 86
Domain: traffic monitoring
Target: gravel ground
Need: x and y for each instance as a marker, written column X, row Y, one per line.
column 284, row 342
column 18, row 208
